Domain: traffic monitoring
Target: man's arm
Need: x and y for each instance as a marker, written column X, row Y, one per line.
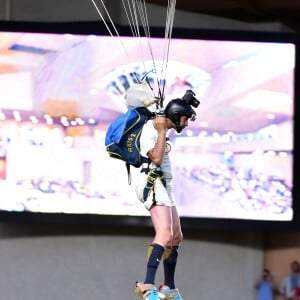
column 282, row 288
column 156, row 154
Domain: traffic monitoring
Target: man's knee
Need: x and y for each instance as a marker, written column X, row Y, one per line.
column 177, row 238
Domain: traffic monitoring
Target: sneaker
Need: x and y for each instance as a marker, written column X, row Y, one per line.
column 146, row 291
column 165, row 293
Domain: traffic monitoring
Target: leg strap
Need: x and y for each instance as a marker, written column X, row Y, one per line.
column 153, row 175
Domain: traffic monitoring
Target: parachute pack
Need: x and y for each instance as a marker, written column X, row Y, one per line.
column 122, row 138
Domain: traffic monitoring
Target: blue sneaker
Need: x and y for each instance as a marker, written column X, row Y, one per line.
column 146, row 291
column 165, row 293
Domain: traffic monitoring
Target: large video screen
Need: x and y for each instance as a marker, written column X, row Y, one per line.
column 60, row 92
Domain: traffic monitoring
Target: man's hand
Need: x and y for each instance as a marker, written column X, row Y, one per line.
column 160, row 123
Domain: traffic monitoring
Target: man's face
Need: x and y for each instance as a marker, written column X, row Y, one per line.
column 184, row 122
column 265, row 274
column 295, row 267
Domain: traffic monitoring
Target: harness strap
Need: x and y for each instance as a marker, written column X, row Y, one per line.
column 153, row 175
column 128, row 172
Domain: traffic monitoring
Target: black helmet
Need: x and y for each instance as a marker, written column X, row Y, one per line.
column 177, row 108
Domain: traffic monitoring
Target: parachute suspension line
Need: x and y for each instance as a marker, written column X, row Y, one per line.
column 143, row 15
column 132, row 18
column 112, row 23
column 160, row 95
column 136, row 13
column 141, row 5
column 144, row 18
column 145, row 23
column 168, row 36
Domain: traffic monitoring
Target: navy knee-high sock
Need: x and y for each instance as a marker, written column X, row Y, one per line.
column 170, row 260
column 155, row 253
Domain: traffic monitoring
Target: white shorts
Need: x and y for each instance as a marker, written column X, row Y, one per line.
column 163, row 194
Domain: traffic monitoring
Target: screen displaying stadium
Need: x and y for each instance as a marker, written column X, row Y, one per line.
column 60, row 92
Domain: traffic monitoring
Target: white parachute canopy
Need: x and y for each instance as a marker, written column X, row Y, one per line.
column 140, row 94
